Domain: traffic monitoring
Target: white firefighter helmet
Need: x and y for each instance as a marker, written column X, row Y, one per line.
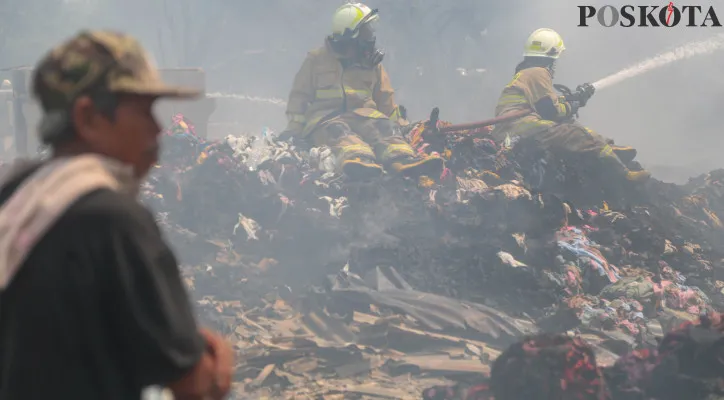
column 349, row 17
column 544, row 42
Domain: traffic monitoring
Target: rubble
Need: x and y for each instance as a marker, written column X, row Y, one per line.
column 336, row 290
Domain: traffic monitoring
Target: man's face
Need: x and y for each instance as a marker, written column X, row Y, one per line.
column 130, row 137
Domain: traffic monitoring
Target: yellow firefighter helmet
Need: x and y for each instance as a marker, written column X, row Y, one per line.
column 350, row 17
column 544, row 42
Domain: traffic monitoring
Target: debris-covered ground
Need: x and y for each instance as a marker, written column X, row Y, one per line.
column 379, row 290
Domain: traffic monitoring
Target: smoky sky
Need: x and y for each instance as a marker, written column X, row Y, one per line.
column 672, row 115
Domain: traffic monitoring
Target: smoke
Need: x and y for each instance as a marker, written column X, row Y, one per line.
column 453, row 55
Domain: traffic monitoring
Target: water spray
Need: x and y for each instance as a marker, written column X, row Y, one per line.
column 243, row 97
column 680, row 53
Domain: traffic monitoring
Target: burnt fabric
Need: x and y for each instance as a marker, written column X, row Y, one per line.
column 550, row 367
column 691, row 362
column 354, row 136
column 459, row 392
column 630, row 376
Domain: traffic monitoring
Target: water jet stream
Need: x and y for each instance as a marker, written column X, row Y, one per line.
column 683, row 52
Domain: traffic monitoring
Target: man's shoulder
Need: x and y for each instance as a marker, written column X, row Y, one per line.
column 104, row 205
column 109, row 206
column 105, row 214
column 101, row 208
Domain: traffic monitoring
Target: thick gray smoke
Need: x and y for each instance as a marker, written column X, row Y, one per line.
column 455, row 55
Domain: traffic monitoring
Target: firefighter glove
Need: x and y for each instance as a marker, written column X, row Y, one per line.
column 403, row 111
column 584, row 93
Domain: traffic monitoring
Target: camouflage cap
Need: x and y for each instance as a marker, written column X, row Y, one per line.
column 103, row 60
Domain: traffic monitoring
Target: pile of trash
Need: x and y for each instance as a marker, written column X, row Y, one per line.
column 333, row 289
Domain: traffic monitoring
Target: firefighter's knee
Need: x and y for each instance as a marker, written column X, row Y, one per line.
column 384, row 126
column 337, row 130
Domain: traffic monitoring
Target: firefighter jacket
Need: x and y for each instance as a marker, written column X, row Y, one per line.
column 529, row 90
column 323, row 89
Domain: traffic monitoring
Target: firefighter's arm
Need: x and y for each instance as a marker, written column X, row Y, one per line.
column 554, row 109
column 384, row 95
column 546, row 101
column 301, row 95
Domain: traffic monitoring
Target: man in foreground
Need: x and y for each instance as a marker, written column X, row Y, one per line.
column 342, row 97
column 551, row 119
column 91, row 302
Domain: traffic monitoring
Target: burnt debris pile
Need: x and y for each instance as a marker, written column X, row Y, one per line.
column 337, row 289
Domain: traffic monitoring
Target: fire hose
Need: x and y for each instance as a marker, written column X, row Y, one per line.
column 481, row 124
column 434, row 116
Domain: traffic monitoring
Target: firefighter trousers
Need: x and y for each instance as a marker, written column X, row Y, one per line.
column 566, row 137
column 352, row 136
column 574, row 138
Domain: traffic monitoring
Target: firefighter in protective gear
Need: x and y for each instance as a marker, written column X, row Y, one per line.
column 551, row 119
column 341, row 97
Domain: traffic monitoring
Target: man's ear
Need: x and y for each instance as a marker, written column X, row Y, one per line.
column 85, row 118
